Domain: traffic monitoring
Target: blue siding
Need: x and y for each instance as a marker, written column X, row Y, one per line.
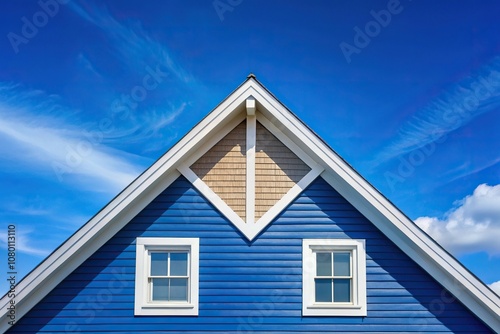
column 248, row 287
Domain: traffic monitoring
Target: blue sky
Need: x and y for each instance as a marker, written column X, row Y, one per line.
column 408, row 92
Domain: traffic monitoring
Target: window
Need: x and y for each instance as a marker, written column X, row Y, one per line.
column 166, row 279
column 333, row 277
column 168, row 276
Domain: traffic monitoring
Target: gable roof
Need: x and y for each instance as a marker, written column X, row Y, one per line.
column 374, row 206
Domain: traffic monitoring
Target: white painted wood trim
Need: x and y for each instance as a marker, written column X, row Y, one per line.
column 212, row 197
column 420, row 247
column 286, row 140
column 210, row 142
column 141, row 305
column 83, row 243
column 250, row 172
column 250, row 104
column 358, row 306
column 473, row 293
column 64, row 260
column 295, row 191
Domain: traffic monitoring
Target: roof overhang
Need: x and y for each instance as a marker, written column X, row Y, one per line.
column 451, row 274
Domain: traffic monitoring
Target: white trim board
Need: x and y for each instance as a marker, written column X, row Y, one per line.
column 251, row 138
column 357, row 306
column 474, row 294
column 249, row 227
column 142, row 303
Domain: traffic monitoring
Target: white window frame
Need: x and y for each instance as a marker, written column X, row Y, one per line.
column 357, row 306
column 143, row 305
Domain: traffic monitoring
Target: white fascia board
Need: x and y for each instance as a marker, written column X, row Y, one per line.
column 210, row 142
column 400, row 229
column 37, row 284
column 422, row 249
column 287, row 141
column 98, row 230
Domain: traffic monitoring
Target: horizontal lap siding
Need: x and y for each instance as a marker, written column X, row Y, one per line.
column 248, row 287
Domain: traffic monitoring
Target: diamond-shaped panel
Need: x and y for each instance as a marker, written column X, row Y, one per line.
column 277, row 170
column 223, row 169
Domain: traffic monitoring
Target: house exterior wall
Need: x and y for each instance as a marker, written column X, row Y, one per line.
column 248, row 287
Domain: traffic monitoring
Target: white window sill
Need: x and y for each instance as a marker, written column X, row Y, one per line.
column 334, row 306
column 168, row 305
column 163, row 309
column 337, row 310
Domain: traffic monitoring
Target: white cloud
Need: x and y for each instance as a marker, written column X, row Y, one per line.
column 36, row 139
column 472, row 226
column 467, row 169
column 495, row 287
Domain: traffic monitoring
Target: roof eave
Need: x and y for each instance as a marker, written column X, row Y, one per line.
column 392, row 222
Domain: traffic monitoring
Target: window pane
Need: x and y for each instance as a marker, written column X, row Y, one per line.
column 342, row 290
column 323, row 289
column 160, row 288
column 159, row 264
column 178, row 264
column 323, row 264
column 178, row 289
column 341, row 264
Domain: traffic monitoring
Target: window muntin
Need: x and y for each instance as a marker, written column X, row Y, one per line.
column 333, row 281
column 168, row 278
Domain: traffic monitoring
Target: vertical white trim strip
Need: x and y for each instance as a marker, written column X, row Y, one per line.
column 250, row 104
column 250, row 185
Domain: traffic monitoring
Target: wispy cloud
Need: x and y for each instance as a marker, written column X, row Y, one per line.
column 55, row 145
column 472, row 226
column 133, row 45
column 454, row 108
column 467, row 168
column 24, row 243
column 30, row 209
column 160, row 122
column 138, row 110
column 38, row 210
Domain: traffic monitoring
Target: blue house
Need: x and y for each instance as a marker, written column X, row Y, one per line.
column 250, row 224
